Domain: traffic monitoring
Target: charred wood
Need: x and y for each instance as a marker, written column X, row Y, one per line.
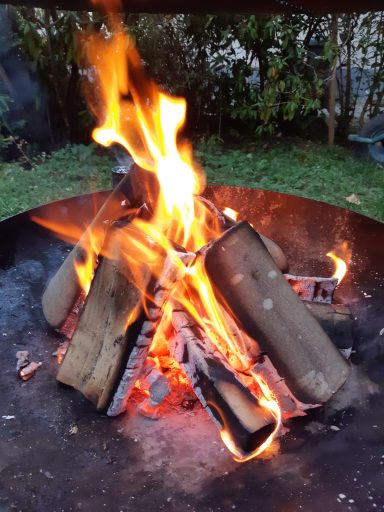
column 219, row 388
column 315, row 289
column 171, row 273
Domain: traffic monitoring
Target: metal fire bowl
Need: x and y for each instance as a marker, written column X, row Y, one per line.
column 331, row 460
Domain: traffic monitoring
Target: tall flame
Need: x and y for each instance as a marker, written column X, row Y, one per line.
column 134, row 113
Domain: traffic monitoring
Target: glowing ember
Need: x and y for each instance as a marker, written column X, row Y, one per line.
column 340, row 256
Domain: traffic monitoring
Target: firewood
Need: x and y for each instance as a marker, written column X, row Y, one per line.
column 336, row 318
column 104, row 338
column 248, row 281
column 254, row 361
column 276, row 253
column 219, row 388
column 337, row 321
column 70, row 323
column 64, row 289
column 171, row 273
column 315, row 289
column 226, row 223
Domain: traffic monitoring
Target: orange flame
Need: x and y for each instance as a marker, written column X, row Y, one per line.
column 90, row 239
column 341, row 262
column 267, row 401
column 134, row 113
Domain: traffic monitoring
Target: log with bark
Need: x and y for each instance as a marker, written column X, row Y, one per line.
column 105, row 333
column 248, row 281
column 219, row 387
column 63, row 290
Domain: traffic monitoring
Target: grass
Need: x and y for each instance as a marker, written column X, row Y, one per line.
column 73, row 170
column 296, row 167
column 316, row 171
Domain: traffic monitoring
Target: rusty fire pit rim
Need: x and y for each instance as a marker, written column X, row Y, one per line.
column 345, row 211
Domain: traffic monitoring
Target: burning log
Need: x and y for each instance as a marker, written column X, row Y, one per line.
column 172, row 272
column 314, row 289
column 226, row 223
column 249, row 282
column 290, row 406
column 337, row 321
column 230, row 404
column 108, row 327
column 64, row 288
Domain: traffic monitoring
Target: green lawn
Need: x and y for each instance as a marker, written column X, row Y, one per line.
column 295, row 166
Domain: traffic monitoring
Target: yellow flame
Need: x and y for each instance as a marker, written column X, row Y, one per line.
column 133, row 112
column 341, row 256
column 147, row 123
column 232, row 214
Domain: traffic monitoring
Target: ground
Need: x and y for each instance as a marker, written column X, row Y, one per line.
column 330, row 174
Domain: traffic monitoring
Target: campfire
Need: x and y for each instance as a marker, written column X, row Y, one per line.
column 166, row 300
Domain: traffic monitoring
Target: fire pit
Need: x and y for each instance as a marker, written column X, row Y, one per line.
column 58, row 454
column 171, row 308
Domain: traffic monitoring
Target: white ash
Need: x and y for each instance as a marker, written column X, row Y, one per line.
column 159, row 386
column 22, row 357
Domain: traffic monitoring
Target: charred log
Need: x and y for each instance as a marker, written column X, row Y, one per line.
column 314, row 289
column 217, row 385
column 290, row 406
column 171, row 273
